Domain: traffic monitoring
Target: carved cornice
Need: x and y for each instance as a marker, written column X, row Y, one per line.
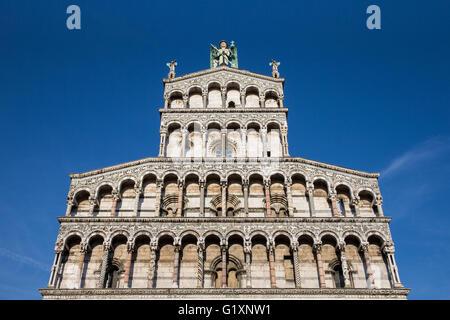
column 242, row 293
column 225, row 110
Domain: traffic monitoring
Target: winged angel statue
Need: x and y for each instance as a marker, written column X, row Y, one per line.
column 223, row 55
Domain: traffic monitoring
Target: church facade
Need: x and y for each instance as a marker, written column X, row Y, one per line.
column 224, row 211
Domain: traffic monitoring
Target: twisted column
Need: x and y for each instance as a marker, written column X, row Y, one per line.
column 294, row 248
column 365, row 249
column 151, row 271
column 200, row 262
column 248, row 254
column 106, row 251
column 344, row 264
column 318, row 250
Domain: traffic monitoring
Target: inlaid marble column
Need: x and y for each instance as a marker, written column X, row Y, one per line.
column 55, row 267
column 83, row 251
column 126, row 277
column 184, row 134
column 202, row 197
column 223, row 185
column 262, row 101
column 159, row 186
column 248, row 271
column 244, row 142
column 204, row 98
column 180, row 198
column 106, row 251
column 289, row 198
column 137, row 197
column 162, row 144
column 200, row 262
column 70, row 204
column 267, row 194
column 185, row 100
column 294, row 248
column 318, row 250
column 176, row 265
column 263, row 132
column 271, row 249
column 92, row 203
column 152, row 269
column 389, row 250
column 224, row 143
column 344, row 264
column 355, row 203
column 310, row 192
column 245, row 186
column 365, row 249
column 224, row 97
column 115, row 198
column 378, row 203
column 204, row 150
column 332, row 198
column 223, row 249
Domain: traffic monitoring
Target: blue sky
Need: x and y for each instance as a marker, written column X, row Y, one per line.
column 372, row 100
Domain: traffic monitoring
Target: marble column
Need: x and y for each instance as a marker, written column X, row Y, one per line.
column 223, row 185
column 332, row 198
column 355, row 203
column 318, row 250
column 248, row 272
column 151, row 271
column 378, row 203
column 159, row 186
column 389, row 250
column 204, row 150
column 162, row 144
column 126, row 277
column 294, row 248
column 344, row 264
column 245, row 186
column 224, row 143
column 224, row 97
column 202, row 197
column 180, row 199
column 365, row 249
column 92, row 203
column 115, row 198
column 83, row 251
column 267, row 194
column 262, row 101
column 281, row 101
column 224, row 265
column 310, row 192
column 244, row 142
column 185, row 100
column 176, row 265
column 138, row 193
column 184, row 134
column 271, row 250
column 106, row 251
column 200, row 262
column 55, row 268
column 263, row 132
column 204, row 98
column 289, row 198
column 70, row 204
column 242, row 99
column 166, row 101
